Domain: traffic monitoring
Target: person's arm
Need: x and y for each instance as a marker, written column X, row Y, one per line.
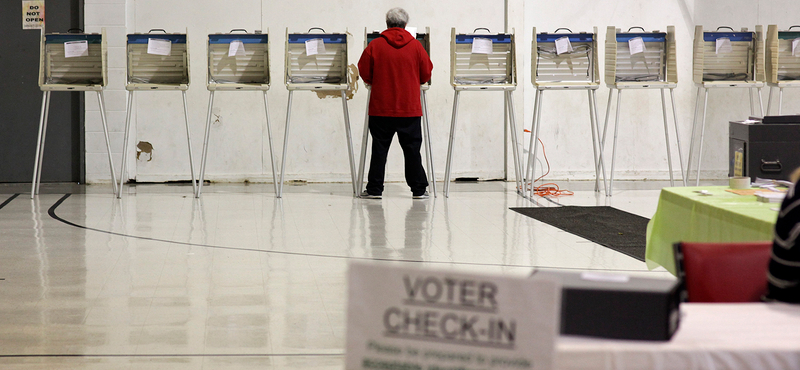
column 365, row 66
column 425, row 65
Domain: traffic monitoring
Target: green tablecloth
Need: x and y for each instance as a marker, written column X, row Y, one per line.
column 685, row 215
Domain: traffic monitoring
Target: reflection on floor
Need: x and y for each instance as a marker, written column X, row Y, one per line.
column 240, row 279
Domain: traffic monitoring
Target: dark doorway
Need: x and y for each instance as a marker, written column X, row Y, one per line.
column 21, row 100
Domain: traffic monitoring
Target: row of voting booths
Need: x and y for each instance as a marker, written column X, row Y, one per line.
column 480, row 61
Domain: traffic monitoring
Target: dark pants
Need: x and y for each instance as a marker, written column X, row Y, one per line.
column 409, row 133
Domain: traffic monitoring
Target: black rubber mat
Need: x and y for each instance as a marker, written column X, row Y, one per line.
column 610, row 227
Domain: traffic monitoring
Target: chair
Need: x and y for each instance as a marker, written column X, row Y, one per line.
column 722, row 272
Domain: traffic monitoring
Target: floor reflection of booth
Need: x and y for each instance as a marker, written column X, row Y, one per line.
column 71, row 62
column 483, row 62
column 157, row 62
column 237, row 62
column 317, row 62
column 425, row 40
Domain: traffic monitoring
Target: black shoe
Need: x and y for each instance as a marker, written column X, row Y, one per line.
column 424, row 195
column 366, row 195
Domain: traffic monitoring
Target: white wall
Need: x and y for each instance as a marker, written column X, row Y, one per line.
column 317, row 148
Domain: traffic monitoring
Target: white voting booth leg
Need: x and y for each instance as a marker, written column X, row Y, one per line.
column 189, row 141
column 450, row 146
column 285, row 142
column 37, row 168
column 509, row 103
column 101, row 101
column 534, row 147
column 351, row 155
column 125, row 144
column 205, row 145
column 364, row 142
column 271, row 150
column 427, row 138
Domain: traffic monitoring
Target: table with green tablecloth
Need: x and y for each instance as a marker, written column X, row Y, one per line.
column 685, row 215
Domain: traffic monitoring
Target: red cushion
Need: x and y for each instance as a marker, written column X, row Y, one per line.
column 726, row 272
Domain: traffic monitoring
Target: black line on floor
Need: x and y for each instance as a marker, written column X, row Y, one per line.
column 176, row 355
column 8, row 200
column 52, row 213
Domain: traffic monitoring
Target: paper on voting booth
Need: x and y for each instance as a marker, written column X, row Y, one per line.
column 235, row 48
column 314, row 47
column 411, row 318
column 563, row 45
column 159, row 47
column 74, row 49
column 795, row 49
column 724, row 45
column 481, row 45
column 636, row 45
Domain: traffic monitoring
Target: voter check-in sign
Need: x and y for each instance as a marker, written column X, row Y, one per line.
column 424, row 319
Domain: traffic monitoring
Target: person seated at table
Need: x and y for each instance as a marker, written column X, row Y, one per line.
column 783, row 276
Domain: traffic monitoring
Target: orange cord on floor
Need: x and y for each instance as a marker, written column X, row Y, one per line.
column 550, row 188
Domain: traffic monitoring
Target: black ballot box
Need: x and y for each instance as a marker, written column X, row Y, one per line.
column 768, row 148
column 616, row 306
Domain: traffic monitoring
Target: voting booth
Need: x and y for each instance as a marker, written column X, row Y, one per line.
column 157, row 62
column 565, row 61
column 782, row 61
column 424, row 39
column 641, row 60
column 237, row 62
column 317, row 61
column 725, row 59
column 483, row 62
column 71, row 62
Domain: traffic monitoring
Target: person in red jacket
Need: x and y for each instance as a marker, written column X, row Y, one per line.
column 395, row 65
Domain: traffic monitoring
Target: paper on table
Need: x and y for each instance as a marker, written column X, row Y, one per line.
column 795, row 48
column 481, row 45
column 236, row 47
column 315, row 46
column 159, row 46
column 412, row 31
column 76, row 49
column 563, row 45
column 724, row 45
column 636, row 45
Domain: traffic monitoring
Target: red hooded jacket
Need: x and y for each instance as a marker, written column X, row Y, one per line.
column 395, row 65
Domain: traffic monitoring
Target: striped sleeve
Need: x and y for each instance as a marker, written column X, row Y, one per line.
column 783, row 276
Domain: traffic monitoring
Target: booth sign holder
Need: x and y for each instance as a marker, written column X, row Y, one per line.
column 157, row 62
column 725, row 59
column 425, row 40
column 565, row 61
column 324, row 69
column 642, row 60
column 237, row 62
column 483, row 62
column 71, row 62
column 782, row 62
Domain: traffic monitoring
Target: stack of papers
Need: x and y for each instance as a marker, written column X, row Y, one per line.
column 770, row 197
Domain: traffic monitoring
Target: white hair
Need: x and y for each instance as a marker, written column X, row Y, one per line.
column 396, row 17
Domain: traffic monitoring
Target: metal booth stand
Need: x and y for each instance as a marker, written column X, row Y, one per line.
column 157, row 62
column 425, row 40
column 565, row 61
column 642, row 60
column 725, row 60
column 237, row 62
column 71, row 62
column 317, row 62
column 782, row 62
column 483, row 62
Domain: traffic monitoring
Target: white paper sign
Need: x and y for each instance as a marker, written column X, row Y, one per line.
column 612, row 278
column 724, row 45
column 412, row 31
column 795, row 48
column 411, row 318
column 74, row 49
column 315, row 46
column 32, row 15
column 159, row 47
column 235, row 48
column 636, row 45
column 481, row 45
column 563, row 45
